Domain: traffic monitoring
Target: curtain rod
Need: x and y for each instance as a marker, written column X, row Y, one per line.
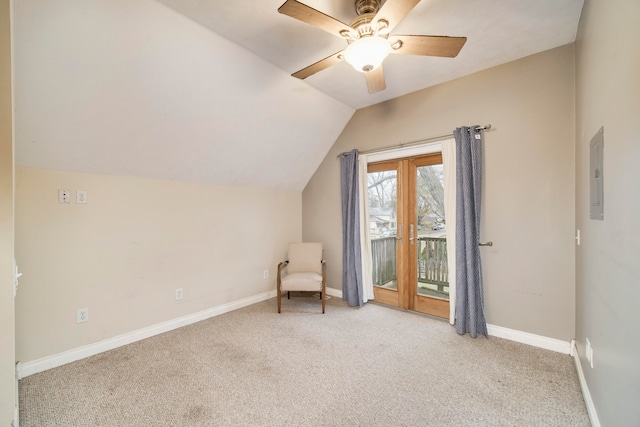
column 414, row 142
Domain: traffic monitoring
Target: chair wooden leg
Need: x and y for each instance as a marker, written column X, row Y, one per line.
column 279, row 296
column 323, row 299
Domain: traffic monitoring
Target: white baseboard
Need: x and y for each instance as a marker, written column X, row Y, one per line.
column 40, row 365
column 509, row 334
column 16, row 407
column 540, row 341
column 586, row 394
column 334, row 292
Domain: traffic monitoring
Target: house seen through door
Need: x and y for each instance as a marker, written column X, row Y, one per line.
column 407, row 228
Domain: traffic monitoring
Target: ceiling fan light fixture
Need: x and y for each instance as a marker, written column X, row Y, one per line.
column 367, row 53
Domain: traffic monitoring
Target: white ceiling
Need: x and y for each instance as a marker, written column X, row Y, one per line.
column 498, row 31
column 200, row 90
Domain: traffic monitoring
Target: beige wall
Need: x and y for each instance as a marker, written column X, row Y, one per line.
column 528, row 190
column 607, row 261
column 124, row 253
column 7, row 349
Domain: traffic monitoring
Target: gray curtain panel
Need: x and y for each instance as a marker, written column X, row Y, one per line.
column 469, row 296
column 351, row 260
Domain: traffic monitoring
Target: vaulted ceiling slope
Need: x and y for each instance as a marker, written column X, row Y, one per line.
column 201, row 89
column 135, row 88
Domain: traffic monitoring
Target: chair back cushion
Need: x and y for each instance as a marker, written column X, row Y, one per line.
column 305, row 257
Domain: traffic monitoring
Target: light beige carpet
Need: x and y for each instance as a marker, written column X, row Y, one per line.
column 372, row 366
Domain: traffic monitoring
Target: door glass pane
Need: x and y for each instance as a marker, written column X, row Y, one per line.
column 431, row 231
column 383, row 190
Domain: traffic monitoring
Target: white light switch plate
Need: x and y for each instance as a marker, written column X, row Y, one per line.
column 64, row 196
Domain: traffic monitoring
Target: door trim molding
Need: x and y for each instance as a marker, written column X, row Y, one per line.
column 399, row 153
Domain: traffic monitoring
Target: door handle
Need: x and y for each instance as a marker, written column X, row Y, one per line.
column 411, row 238
column 486, row 244
column 399, row 237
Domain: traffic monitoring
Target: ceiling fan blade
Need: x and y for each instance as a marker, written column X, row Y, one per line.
column 375, row 80
column 394, row 11
column 319, row 66
column 427, row 45
column 314, row 17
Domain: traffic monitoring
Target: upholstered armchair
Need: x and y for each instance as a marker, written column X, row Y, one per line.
column 304, row 270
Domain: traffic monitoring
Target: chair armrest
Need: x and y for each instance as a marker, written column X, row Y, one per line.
column 281, row 266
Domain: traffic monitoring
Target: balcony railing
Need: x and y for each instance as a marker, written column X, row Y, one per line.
column 432, row 261
column 383, row 257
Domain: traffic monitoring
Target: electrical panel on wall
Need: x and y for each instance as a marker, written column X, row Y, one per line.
column 596, row 200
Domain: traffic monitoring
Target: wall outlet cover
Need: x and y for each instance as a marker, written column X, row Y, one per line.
column 81, row 197
column 82, row 315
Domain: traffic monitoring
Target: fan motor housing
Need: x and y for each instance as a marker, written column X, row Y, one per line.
column 362, row 24
column 367, row 6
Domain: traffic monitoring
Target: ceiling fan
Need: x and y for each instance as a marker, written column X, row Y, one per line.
column 368, row 38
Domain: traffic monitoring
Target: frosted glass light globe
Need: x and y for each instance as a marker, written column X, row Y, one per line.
column 366, row 54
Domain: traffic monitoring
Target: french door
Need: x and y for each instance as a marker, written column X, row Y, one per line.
column 407, row 228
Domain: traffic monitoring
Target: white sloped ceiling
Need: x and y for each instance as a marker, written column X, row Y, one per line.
column 131, row 87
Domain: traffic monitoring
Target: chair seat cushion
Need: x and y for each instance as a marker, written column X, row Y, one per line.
column 301, row 282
